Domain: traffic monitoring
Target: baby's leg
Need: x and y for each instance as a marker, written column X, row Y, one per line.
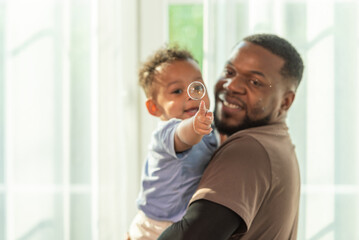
column 145, row 228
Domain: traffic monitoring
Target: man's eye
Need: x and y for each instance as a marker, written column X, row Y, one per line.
column 177, row 91
column 255, row 82
column 228, row 73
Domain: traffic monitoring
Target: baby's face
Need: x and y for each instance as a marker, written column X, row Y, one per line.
column 170, row 88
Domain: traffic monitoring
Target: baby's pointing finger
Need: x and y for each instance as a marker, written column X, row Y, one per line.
column 209, row 115
column 202, row 108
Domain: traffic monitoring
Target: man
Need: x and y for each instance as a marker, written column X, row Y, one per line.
column 251, row 188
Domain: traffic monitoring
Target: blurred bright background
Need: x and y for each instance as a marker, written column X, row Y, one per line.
column 74, row 130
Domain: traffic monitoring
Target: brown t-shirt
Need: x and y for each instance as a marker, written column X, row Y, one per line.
column 255, row 173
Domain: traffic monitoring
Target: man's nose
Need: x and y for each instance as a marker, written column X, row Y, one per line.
column 235, row 85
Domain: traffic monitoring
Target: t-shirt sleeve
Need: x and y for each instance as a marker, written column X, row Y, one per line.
column 163, row 141
column 238, row 177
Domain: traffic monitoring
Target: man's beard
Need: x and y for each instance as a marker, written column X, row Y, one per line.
column 247, row 123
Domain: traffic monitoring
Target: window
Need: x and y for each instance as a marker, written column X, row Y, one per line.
column 68, row 110
column 46, row 121
column 73, row 125
column 186, row 28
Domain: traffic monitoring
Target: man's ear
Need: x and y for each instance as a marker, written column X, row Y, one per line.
column 287, row 100
column 152, row 108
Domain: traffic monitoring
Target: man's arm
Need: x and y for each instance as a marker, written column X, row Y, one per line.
column 190, row 131
column 205, row 220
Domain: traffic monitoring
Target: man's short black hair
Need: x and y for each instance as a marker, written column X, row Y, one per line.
column 293, row 64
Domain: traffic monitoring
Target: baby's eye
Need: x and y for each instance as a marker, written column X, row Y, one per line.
column 177, row 91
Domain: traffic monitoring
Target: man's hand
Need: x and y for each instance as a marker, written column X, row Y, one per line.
column 202, row 120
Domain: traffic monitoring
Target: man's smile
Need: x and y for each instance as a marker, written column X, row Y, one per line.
column 230, row 103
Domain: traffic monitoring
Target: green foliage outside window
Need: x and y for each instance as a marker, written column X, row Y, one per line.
column 186, row 28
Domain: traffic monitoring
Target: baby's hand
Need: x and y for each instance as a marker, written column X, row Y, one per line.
column 202, row 120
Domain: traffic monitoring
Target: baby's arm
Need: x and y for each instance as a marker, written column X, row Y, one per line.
column 190, row 131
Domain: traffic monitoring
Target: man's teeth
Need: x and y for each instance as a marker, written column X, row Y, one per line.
column 230, row 105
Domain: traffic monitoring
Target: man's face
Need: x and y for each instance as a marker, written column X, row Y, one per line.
column 250, row 91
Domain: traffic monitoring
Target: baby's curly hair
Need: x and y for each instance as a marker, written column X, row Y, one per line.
column 166, row 54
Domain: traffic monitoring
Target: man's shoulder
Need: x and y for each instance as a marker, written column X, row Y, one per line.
column 241, row 148
column 277, row 129
column 254, row 143
column 262, row 134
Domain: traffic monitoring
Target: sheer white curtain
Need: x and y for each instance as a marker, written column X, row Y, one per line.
column 119, row 116
column 68, row 118
column 324, row 119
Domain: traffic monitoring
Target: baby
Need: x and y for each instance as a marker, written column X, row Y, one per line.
column 180, row 147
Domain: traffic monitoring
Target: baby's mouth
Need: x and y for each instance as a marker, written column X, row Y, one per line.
column 191, row 111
